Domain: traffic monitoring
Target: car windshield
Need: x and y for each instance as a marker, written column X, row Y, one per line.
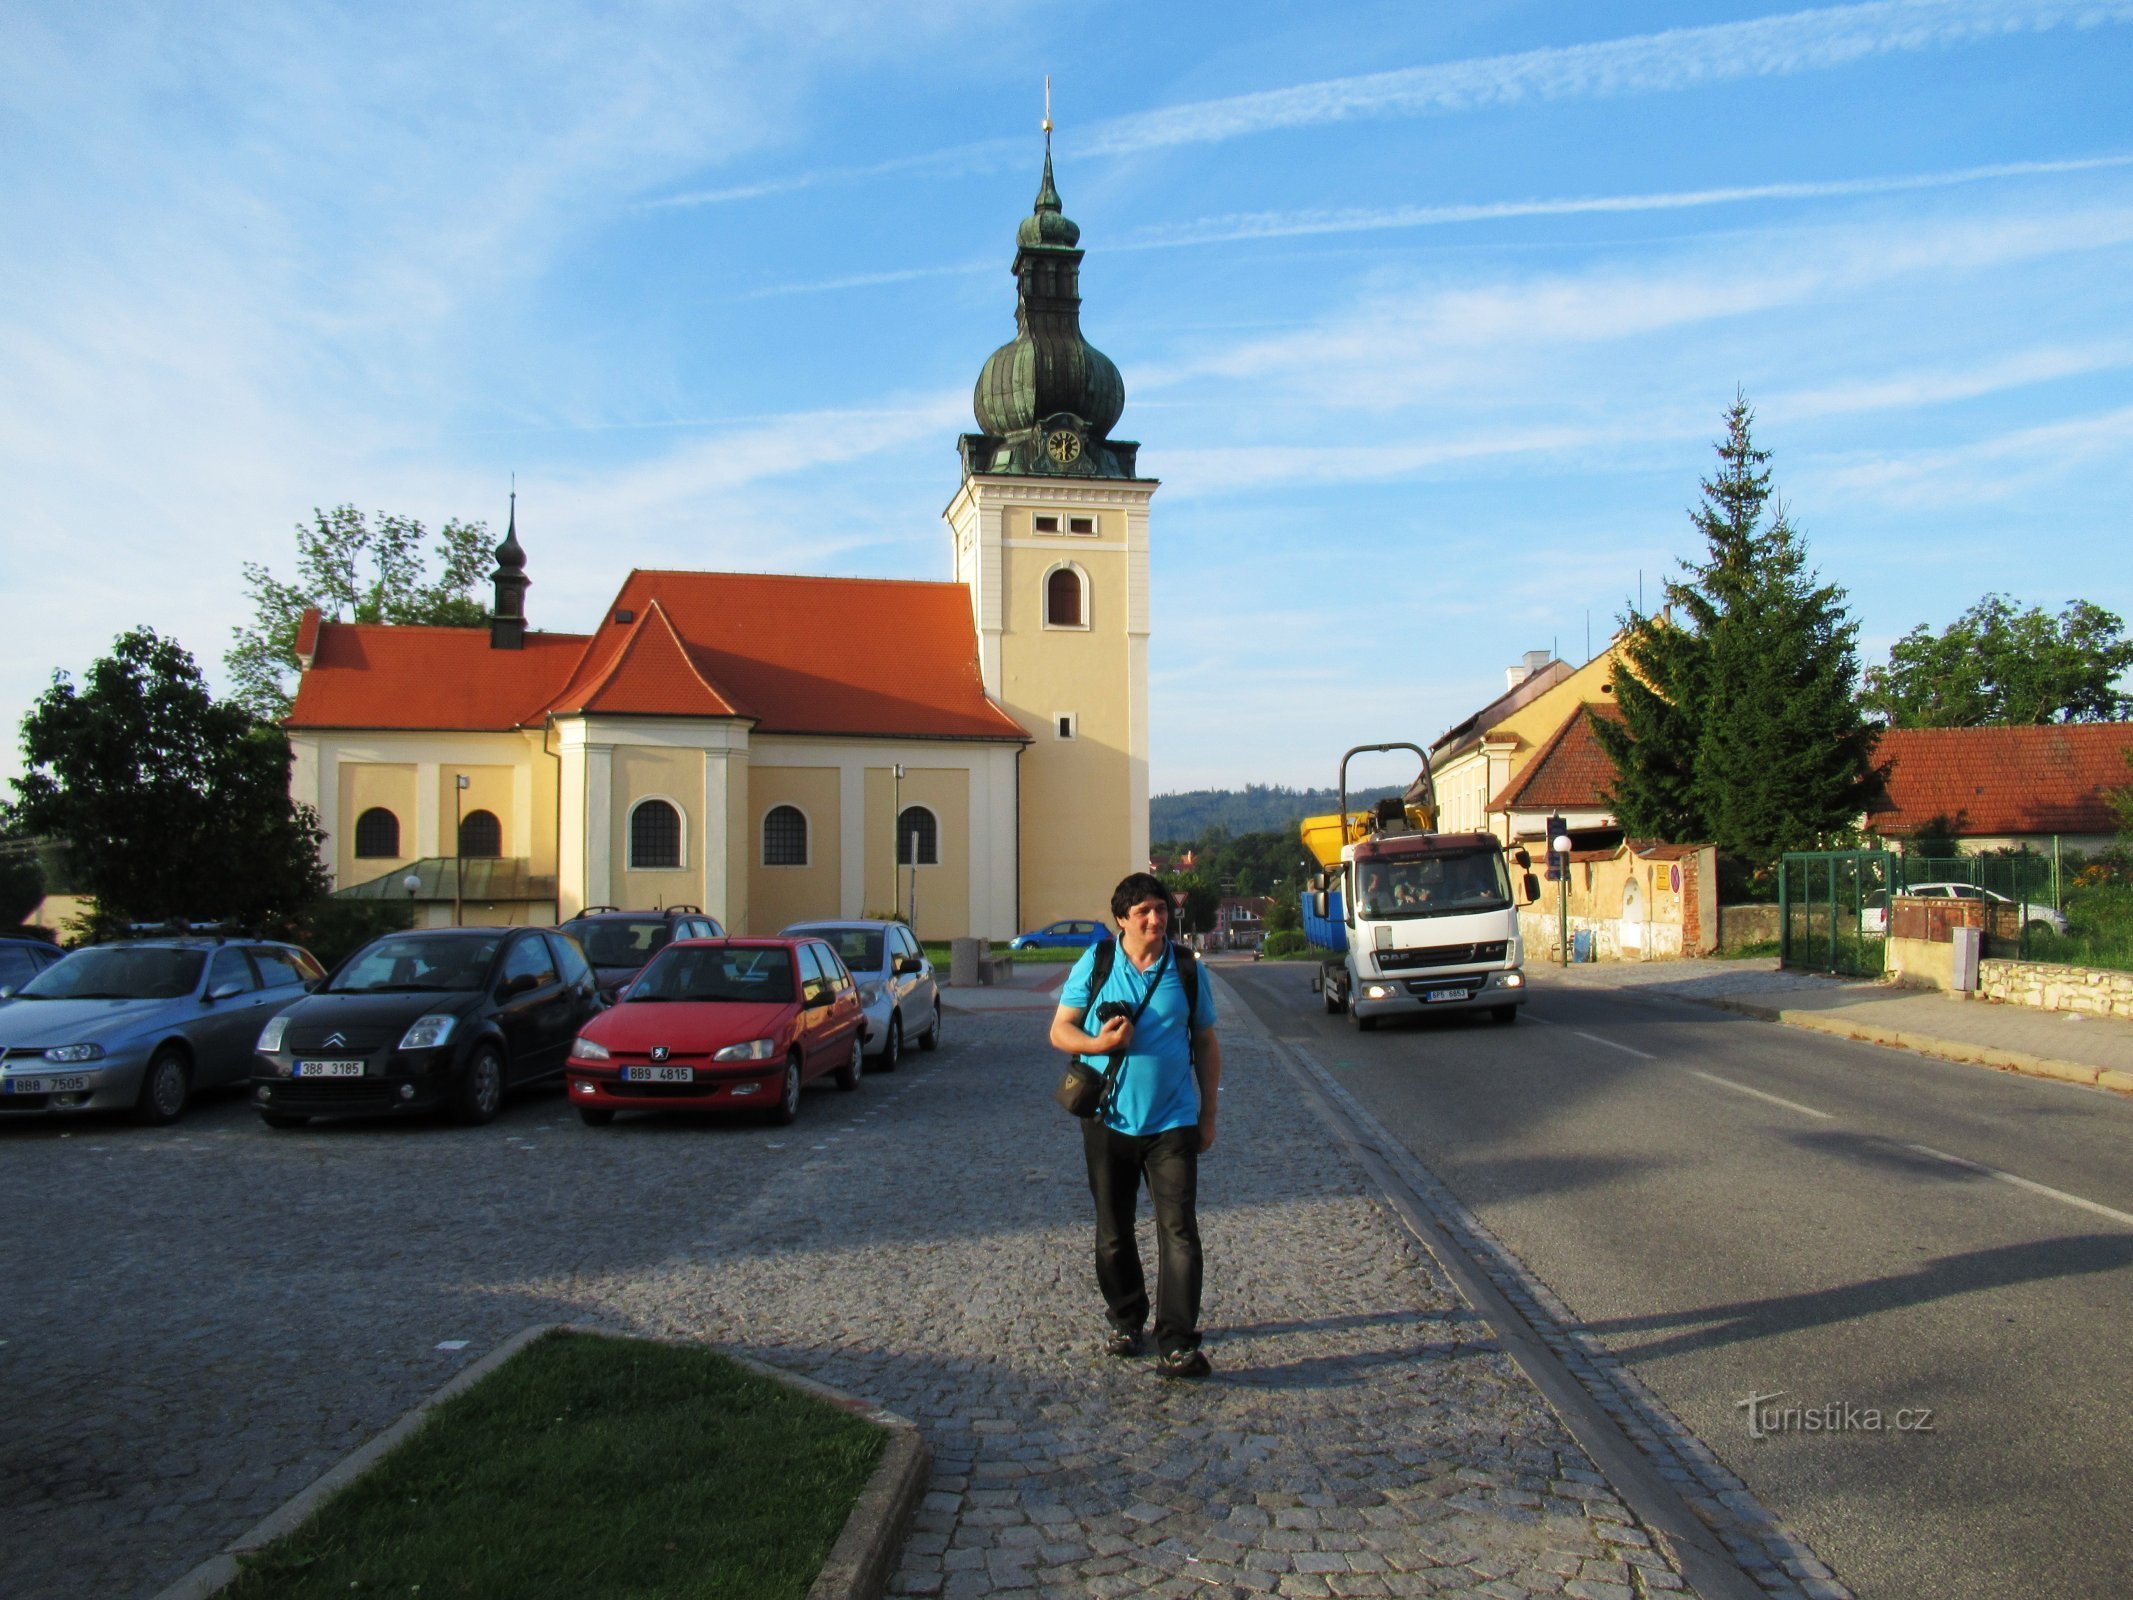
column 619, row 941
column 724, row 972
column 860, row 947
column 1435, row 886
column 413, row 962
column 115, row 972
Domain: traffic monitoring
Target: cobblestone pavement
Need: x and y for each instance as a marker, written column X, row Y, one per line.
column 201, row 1320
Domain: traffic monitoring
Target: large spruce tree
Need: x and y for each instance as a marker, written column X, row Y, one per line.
column 1741, row 723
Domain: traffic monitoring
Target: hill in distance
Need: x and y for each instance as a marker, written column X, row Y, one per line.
column 1256, row 808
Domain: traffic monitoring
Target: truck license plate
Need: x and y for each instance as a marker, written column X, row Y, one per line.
column 329, row 1069
column 1436, row 995
column 46, row 1085
column 659, row 1074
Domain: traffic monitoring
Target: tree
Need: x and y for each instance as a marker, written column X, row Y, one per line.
column 1740, row 723
column 1998, row 665
column 352, row 572
column 170, row 804
column 1201, row 899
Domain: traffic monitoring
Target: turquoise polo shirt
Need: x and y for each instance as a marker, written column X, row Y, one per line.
column 1156, row 1089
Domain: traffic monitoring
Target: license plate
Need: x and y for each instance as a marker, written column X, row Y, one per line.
column 1435, row 995
column 45, row 1085
column 659, row 1074
column 329, row 1069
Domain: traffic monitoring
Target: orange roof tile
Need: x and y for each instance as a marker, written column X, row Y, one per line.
column 1569, row 772
column 650, row 674
column 385, row 675
column 1982, row 782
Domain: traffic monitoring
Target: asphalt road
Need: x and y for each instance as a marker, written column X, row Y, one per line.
column 1738, row 1208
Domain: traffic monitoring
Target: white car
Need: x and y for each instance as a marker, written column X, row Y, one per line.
column 1874, row 915
column 896, row 984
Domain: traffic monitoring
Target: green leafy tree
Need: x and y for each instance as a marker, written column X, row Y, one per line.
column 21, row 882
column 1201, row 899
column 1996, row 664
column 170, row 804
column 353, row 571
column 1741, row 724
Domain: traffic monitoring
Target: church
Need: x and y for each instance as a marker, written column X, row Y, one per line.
column 772, row 748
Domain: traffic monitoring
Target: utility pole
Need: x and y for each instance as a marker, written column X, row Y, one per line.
column 896, row 831
column 459, row 860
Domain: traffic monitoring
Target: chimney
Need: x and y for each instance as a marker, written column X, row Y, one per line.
column 507, row 621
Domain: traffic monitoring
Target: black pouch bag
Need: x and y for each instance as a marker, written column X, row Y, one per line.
column 1082, row 1089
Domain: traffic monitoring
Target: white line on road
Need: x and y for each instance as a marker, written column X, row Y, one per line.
column 1625, row 1049
column 1789, row 1105
column 2024, row 1183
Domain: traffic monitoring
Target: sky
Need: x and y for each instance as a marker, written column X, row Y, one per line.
column 1428, row 314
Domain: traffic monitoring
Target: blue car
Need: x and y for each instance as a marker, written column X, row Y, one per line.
column 142, row 1026
column 1071, row 934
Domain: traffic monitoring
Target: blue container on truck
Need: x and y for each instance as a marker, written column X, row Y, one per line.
column 1328, row 932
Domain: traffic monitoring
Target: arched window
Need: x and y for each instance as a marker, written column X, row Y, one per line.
column 480, row 834
column 655, row 835
column 377, row 833
column 785, row 837
column 1064, row 594
column 917, row 827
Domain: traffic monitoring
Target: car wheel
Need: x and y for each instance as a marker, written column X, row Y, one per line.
column 595, row 1116
column 166, row 1084
column 481, row 1090
column 283, row 1119
column 1503, row 1014
column 893, row 1051
column 931, row 1038
column 788, row 1106
column 854, row 1068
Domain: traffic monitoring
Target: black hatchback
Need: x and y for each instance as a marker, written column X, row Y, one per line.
column 436, row 1018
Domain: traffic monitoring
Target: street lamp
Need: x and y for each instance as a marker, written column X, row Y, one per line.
column 459, row 843
column 1559, row 846
column 896, row 830
column 411, row 883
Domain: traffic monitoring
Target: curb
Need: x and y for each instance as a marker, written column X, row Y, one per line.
column 857, row 1567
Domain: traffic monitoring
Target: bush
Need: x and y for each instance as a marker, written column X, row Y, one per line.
column 334, row 929
column 1285, row 945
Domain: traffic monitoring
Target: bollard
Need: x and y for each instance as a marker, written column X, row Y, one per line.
column 965, row 961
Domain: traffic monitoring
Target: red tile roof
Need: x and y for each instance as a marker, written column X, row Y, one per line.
column 384, row 675
column 1569, row 772
column 793, row 655
column 1984, row 782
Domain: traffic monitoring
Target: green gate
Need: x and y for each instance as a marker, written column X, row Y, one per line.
column 1833, row 910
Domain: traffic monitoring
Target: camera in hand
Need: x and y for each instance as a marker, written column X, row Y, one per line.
column 1111, row 1009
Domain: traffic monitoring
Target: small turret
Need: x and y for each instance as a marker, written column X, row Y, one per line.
column 507, row 621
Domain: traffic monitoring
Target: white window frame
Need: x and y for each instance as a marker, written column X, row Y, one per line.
column 896, row 855
column 1066, row 725
column 1088, row 596
column 629, row 833
column 1035, row 517
column 1094, row 530
column 762, row 843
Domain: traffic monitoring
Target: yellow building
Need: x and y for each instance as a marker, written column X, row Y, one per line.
column 1476, row 762
column 773, row 748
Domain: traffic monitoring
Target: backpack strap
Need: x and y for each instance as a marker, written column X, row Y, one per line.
column 1189, row 980
column 1100, row 964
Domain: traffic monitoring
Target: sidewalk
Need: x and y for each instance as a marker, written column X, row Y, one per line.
column 2097, row 1051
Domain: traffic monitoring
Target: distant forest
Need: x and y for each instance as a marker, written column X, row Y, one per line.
column 1193, row 816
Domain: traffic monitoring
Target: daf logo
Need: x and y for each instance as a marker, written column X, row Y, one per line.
column 335, row 1041
column 659, row 1052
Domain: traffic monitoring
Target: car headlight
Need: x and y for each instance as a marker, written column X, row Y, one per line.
column 753, row 1050
column 426, row 1033
column 71, row 1053
column 869, row 993
column 584, row 1049
column 270, row 1035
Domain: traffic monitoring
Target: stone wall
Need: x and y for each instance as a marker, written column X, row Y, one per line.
column 2051, row 987
column 1746, row 924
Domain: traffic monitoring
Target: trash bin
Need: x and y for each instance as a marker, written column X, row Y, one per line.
column 1581, row 945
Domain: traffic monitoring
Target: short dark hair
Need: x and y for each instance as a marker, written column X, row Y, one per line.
column 1132, row 889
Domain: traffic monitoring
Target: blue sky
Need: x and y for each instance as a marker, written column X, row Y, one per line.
column 1427, row 313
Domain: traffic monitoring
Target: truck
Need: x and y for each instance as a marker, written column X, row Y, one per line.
column 1413, row 920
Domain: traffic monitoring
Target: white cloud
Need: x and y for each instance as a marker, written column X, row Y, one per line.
column 2004, row 467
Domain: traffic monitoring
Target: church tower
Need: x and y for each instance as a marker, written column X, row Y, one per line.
column 1050, row 534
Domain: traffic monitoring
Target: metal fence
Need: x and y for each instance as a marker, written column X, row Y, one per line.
column 1826, row 901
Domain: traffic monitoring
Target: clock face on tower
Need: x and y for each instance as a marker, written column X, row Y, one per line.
column 1064, row 447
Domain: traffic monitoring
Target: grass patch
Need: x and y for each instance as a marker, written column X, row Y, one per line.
column 1754, row 949
column 937, row 952
column 584, row 1466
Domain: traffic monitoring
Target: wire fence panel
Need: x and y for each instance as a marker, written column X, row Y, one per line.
column 1833, row 910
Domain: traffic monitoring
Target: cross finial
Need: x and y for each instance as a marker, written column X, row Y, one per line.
column 1047, row 111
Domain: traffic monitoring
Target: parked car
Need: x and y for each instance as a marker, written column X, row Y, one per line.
column 143, row 1025
column 619, row 943
column 21, row 960
column 450, row 1018
column 722, row 1025
column 1874, row 911
column 1072, row 934
column 897, row 990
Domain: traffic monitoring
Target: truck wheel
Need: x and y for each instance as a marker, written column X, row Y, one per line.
column 1503, row 1014
column 1362, row 1023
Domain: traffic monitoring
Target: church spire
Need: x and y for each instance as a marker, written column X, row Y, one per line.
column 507, row 622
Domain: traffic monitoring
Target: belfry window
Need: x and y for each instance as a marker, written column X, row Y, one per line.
column 1063, row 597
column 655, row 836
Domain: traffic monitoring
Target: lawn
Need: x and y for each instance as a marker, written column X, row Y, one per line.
column 2099, row 930
column 937, row 952
column 589, row 1465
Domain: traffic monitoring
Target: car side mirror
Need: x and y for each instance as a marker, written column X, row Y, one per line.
column 516, row 986
column 1533, row 888
column 7, row 991
column 906, row 964
column 225, row 991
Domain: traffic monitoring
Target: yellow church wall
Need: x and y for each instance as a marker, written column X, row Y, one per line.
column 489, row 788
column 364, row 786
column 641, row 772
column 943, row 887
column 1539, row 717
column 781, row 895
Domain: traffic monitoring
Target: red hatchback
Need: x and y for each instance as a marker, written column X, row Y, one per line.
column 721, row 1025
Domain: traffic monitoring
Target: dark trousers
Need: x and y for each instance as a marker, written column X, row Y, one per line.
column 1170, row 1161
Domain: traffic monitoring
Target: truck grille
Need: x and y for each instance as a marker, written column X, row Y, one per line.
column 1441, row 955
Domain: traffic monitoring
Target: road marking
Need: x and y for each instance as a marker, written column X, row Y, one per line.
column 2024, row 1183
column 1776, row 1100
column 1527, row 1014
column 1625, row 1049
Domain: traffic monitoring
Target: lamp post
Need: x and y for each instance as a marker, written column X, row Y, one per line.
column 411, row 883
column 896, row 829
column 1559, row 847
column 459, row 800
